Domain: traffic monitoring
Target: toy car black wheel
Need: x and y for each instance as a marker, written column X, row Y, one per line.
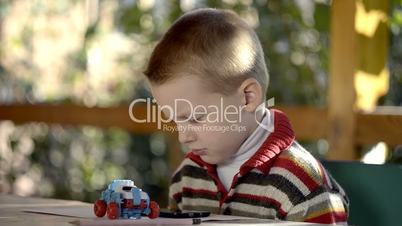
column 112, row 210
column 154, row 210
column 100, row 208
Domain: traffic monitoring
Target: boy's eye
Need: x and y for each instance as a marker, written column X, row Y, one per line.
column 197, row 119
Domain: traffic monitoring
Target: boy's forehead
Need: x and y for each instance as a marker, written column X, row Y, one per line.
column 188, row 88
column 183, row 95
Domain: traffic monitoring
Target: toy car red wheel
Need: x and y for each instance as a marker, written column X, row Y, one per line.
column 112, row 210
column 143, row 205
column 154, row 210
column 100, row 208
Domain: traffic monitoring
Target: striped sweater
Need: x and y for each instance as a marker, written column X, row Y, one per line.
column 281, row 181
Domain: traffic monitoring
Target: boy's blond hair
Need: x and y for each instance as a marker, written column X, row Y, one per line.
column 215, row 45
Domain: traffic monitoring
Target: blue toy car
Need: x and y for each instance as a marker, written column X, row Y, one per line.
column 122, row 199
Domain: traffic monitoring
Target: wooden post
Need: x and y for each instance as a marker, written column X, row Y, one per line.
column 341, row 96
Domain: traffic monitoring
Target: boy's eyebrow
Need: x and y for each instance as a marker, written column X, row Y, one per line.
column 183, row 116
column 186, row 116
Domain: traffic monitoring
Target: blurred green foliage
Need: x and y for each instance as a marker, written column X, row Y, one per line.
column 394, row 96
column 104, row 70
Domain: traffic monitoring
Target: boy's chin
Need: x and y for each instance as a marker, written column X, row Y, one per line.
column 210, row 160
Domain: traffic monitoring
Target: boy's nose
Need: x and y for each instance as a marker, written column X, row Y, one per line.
column 186, row 137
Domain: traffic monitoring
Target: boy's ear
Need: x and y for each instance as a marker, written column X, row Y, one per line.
column 251, row 94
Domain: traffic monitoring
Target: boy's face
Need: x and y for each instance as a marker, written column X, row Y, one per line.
column 212, row 125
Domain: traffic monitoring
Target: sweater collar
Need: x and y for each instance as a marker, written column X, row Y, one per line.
column 280, row 139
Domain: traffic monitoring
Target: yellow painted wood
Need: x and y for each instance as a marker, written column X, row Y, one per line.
column 372, row 74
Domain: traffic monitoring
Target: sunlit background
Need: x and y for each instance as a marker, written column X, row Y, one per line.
column 93, row 52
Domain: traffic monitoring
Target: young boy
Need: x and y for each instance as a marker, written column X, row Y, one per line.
column 209, row 74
